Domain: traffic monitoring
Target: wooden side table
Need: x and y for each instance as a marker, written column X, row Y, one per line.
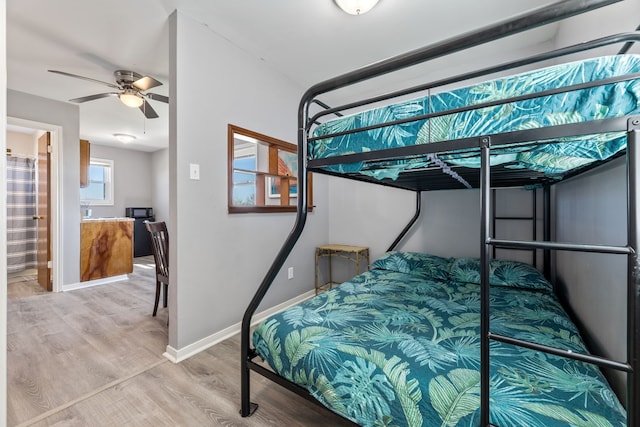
column 353, row 254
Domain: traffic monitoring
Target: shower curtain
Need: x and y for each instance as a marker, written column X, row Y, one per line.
column 21, row 207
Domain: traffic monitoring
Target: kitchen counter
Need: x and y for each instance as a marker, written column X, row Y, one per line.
column 106, row 247
column 107, row 219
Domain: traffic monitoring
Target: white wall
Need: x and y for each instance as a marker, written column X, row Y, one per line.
column 23, row 144
column 42, row 110
column 133, row 179
column 217, row 259
column 160, row 184
column 3, row 213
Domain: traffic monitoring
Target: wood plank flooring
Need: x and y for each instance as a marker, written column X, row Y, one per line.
column 23, row 284
column 93, row 357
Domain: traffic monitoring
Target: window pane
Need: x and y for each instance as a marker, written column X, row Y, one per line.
column 95, row 191
column 100, row 188
column 246, row 163
column 96, row 173
column 244, row 189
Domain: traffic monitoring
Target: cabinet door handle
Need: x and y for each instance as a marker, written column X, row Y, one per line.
column 37, row 217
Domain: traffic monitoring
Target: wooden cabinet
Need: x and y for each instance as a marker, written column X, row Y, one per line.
column 106, row 248
column 85, row 155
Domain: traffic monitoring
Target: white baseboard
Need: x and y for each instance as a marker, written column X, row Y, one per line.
column 97, row 282
column 178, row 355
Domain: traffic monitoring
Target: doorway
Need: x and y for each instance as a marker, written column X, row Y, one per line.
column 32, row 220
column 21, row 213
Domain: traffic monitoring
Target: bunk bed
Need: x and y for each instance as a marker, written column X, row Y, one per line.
column 530, row 129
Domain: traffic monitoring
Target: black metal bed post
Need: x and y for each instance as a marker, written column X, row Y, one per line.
column 534, row 229
column 546, row 230
column 412, row 221
column 247, row 408
column 633, row 273
column 485, row 205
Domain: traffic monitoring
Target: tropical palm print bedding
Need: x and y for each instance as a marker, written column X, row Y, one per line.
column 553, row 159
column 392, row 348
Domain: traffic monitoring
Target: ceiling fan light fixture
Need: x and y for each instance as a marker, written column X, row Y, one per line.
column 131, row 99
column 356, row 7
column 125, row 138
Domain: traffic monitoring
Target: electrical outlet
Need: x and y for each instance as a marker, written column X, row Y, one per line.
column 194, row 171
column 290, row 273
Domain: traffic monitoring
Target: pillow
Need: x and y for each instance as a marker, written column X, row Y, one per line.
column 512, row 274
column 415, row 263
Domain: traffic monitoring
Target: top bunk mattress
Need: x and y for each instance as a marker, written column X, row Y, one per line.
column 552, row 158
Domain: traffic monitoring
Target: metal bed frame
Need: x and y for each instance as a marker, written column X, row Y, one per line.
column 485, row 179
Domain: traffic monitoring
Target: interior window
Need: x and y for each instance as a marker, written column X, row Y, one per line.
column 262, row 173
column 100, row 188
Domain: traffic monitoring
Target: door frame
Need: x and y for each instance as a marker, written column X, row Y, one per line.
column 56, row 193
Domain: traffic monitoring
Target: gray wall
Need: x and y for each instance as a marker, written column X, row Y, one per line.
column 160, row 184
column 592, row 209
column 133, row 179
column 218, row 259
column 369, row 215
column 29, row 107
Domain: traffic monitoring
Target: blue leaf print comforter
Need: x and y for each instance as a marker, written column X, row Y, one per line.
column 553, row 159
column 393, row 348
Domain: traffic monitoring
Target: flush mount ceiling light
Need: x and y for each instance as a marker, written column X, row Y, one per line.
column 130, row 98
column 124, row 137
column 356, row 7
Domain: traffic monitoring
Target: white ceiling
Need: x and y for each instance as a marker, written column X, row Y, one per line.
column 309, row 41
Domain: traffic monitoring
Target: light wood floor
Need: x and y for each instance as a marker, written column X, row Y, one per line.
column 23, row 284
column 93, row 357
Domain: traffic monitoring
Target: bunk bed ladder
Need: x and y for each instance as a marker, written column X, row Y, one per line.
column 533, row 218
column 632, row 364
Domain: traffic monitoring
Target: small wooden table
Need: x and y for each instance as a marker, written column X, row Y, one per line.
column 353, row 254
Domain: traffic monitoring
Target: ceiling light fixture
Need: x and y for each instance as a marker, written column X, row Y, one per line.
column 124, row 137
column 130, row 98
column 356, row 7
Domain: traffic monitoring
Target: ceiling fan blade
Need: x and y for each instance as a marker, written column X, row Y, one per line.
column 148, row 111
column 93, row 97
column 146, row 83
column 85, row 78
column 157, row 97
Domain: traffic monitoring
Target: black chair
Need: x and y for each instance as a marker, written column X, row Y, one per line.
column 160, row 245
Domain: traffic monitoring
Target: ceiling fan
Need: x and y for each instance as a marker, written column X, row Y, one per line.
column 131, row 88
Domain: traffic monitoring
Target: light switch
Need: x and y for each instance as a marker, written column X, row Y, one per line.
column 194, row 171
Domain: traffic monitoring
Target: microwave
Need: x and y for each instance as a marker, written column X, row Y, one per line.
column 138, row 212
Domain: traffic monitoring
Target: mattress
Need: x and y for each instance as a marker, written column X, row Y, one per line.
column 551, row 158
column 399, row 346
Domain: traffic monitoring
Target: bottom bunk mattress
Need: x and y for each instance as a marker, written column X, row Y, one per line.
column 399, row 346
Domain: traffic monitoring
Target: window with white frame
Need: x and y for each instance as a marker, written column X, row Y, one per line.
column 99, row 192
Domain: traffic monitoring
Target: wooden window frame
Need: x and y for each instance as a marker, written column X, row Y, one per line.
column 274, row 145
